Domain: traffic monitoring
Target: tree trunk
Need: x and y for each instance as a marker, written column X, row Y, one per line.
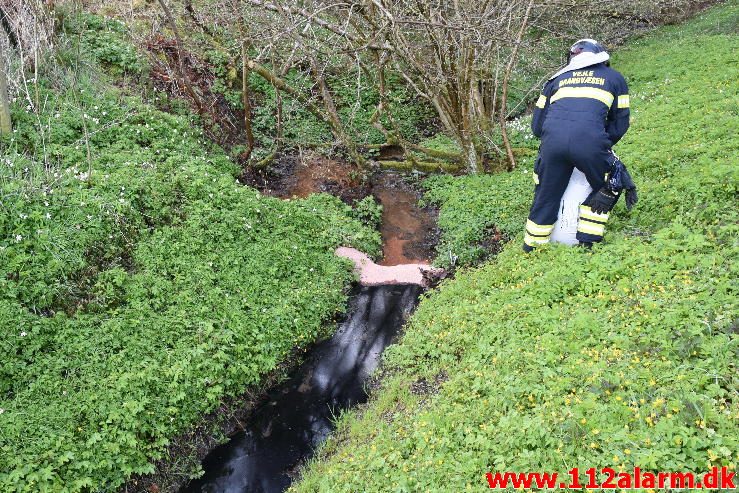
column 246, row 101
column 180, row 59
column 504, row 95
column 472, row 156
column 6, row 126
column 333, row 115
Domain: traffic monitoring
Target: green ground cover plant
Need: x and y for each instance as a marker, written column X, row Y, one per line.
column 621, row 356
column 140, row 284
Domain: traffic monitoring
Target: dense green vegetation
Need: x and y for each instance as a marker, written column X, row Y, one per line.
column 621, row 356
column 139, row 283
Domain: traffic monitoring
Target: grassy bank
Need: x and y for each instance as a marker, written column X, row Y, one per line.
column 621, row 356
column 139, row 283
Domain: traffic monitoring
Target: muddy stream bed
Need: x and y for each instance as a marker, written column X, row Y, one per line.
column 296, row 416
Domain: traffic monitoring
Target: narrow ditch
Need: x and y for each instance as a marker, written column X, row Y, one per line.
column 296, row 416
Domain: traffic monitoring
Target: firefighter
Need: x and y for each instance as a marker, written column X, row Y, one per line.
column 581, row 114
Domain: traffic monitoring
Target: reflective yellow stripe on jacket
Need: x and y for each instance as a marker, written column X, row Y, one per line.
column 584, row 92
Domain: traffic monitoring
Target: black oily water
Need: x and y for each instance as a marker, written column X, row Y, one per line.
column 297, row 416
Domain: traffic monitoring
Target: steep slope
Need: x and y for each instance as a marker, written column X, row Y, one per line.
column 621, row 356
column 140, row 285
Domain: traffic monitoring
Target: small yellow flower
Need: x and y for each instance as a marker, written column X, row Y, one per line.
column 627, row 451
column 583, row 421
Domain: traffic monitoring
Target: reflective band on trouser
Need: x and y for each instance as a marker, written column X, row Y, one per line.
column 591, row 222
column 604, row 97
column 623, row 101
column 542, row 101
column 537, row 234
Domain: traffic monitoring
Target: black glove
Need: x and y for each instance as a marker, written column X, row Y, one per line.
column 631, row 197
column 602, row 201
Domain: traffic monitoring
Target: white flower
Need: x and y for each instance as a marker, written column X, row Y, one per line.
column 18, row 238
column 24, row 334
column 48, row 216
column 2, row 410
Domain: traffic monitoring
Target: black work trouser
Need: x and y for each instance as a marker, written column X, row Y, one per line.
column 563, row 148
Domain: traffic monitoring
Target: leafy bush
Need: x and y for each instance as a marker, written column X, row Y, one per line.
column 140, row 284
column 621, row 356
column 368, row 211
column 105, row 41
